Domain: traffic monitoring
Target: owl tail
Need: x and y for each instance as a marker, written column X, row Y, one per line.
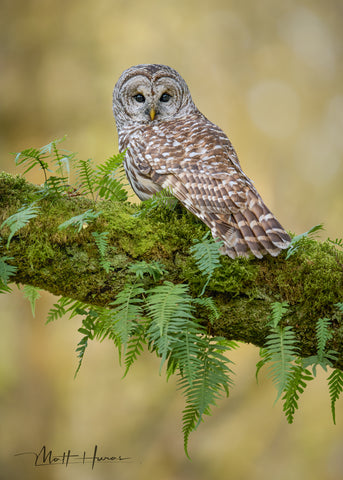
column 253, row 230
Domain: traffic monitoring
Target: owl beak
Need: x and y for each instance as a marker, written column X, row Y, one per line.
column 152, row 113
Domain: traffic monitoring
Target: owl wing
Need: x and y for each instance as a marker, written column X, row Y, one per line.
column 207, row 178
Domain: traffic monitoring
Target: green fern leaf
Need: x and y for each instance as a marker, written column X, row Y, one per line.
column 211, row 382
column 297, row 240
column 155, row 269
column 265, row 357
column 281, row 345
column 323, row 358
column 19, row 219
column 210, row 306
column 111, row 180
column 338, row 242
column 61, row 308
column 32, row 157
column 6, row 270
column 135, row 345
column 80, row 221
column 335, row 381
column 126, row 313
column 170, row 307
column 323, row 336
column 88, row 329
column 278, row 311
column 102, row 243
column 162, row 199
column 299, row 377
column 86, row 177
column 32, row 294
column 207, row 256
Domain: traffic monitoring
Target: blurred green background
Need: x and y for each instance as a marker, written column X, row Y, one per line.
column 270, row 74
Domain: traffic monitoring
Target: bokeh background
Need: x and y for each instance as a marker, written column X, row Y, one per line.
column 270, row 74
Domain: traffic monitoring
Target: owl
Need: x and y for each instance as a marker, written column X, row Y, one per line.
column 171, row 145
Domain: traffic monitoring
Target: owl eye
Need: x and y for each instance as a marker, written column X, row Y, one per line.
column 139, row 98
column 165, row 97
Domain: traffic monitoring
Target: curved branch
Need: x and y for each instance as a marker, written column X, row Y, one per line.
column 67, row 263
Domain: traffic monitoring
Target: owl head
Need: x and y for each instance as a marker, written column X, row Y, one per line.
column 150, row 94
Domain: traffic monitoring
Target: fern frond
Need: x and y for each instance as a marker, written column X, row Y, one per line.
column 278, row 311
column 339, row 306
column 56, row 185
column 102, row 243
column 80, row 221
column 88, row 334
column 323, row 335
column 170, row 307
column 207, row 257
column 281, row 345
column 298, row 379
column 335, row 382
column 212, row 381
column 32, row 294
column 155, row 269
column 32, row 157
column 19, row 219
column 296, row 240
column 323, row 358
column 211, row 307
column 86, row 176
column 338, row 242
column 162, row 199
column 135, row 345
column 59, row 309
column 111, row 180
column 6, row 270
column 265, row 357
column 126, row 313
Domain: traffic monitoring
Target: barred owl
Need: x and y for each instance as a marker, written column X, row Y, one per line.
column 169, row 143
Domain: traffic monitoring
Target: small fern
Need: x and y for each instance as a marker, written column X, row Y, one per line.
column 88, row 330
column 296, row 240
column 324, row 358
column 32, row 294
column 110, row 179
column 80, row 221
column 281, row 349
column 338, row 242
column 281, row 345
column 162, row 199
column 127, row 311
column 86, row 177
column 32, row 157
column 101, row 240
column 154, row 269
column 61, row 308
column 207, row 256
column 135, row 345
column 335, row 382
column 297, row 382
column 210, row 381
column 6, row 270
column 20, row 219
column 170, row 308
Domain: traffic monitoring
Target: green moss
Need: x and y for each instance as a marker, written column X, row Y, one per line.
column 67, row 262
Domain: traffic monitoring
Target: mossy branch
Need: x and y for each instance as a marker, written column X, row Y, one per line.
column 67, row 263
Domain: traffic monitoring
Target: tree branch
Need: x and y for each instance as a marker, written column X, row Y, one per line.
column 67, row 263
